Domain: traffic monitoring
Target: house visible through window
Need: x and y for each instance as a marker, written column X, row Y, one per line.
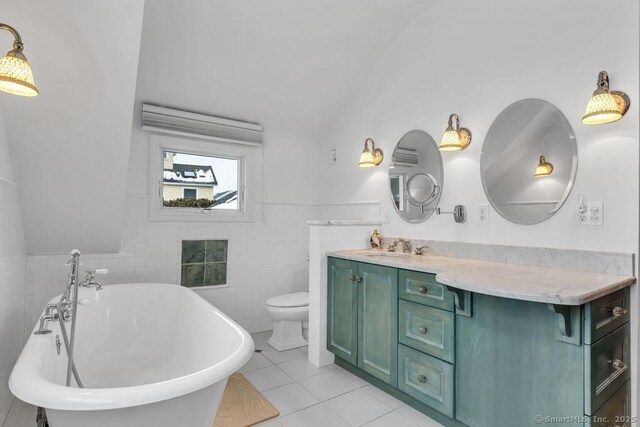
column 197, row 181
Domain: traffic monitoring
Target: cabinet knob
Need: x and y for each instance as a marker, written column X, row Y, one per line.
column 358, row 279
column 352, row 277
column 422, row 289
column 422, row 379
column 422, row 330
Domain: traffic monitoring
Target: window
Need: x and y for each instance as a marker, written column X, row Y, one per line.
column 197, row 180
column 190, row 193
column 204, row 263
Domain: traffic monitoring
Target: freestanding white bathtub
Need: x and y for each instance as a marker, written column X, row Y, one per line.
column 148, row 355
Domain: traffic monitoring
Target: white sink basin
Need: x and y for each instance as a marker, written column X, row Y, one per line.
column 390, row 254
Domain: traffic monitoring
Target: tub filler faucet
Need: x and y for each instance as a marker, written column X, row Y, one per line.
column 65, row 310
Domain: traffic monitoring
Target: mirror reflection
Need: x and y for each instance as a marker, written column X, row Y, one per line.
column 416, row 176
column 529, row 161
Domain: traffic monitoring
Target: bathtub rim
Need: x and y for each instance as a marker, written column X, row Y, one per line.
column 27, row 383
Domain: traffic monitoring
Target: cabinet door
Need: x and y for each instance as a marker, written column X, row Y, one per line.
column 378, row 321
column 342, row 310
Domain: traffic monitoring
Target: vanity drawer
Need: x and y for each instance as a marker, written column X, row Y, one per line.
column 605, row 315
column 616, row 411
column 427, row 329
column 607, row 367
column 424, row 289
column 426, row 379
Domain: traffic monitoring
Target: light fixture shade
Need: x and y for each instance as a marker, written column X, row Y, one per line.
column 450, row 141
column 544, row 168
column 455, row 138
column 605, row 106
column 370, row 158
column 602, row 108
column 16, row 76
column 366, row 159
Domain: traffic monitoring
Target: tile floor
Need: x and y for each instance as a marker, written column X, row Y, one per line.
column 322, row 397
column 305, row 395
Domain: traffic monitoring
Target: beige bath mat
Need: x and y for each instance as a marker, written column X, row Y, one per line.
column 243, row 405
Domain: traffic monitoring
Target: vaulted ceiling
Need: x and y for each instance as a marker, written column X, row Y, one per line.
column 287, row 64
column 70, row 145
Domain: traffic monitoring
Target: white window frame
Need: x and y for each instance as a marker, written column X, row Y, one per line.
column 189, row 188
column 249, row 186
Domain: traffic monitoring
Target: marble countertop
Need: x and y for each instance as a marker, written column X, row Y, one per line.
column 522, row 282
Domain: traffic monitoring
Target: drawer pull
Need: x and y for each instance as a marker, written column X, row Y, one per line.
column 422, row 379
column 422, row 330
column 422, row 289
column 619, row 367
column 616, row 312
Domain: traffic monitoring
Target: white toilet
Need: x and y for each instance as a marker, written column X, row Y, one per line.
column 288, row 312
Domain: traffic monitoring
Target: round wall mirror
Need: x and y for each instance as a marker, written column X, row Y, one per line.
column 416, row 176
column 529, row 161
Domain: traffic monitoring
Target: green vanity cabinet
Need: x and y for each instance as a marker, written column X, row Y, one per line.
column 362, row 317
column 342, row 307
column 478, row 360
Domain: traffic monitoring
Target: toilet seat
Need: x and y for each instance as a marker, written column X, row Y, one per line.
column 298, row 299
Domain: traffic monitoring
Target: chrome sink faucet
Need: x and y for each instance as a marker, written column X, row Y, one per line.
column 406, row 246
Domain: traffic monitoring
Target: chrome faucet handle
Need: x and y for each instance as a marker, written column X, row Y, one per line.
column 406, row 245
column 392, row 246
column 419, row 250
column 89, row 281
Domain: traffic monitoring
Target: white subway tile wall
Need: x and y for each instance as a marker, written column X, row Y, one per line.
column 12, row 289
column 267, row 257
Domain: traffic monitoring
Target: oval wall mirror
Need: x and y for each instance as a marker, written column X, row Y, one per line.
column 529, row 161
column 416, row 176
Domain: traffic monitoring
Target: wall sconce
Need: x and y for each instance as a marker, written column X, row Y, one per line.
column 605, row 106
column 16, row 76
column 544, row 168
column 455, row 138
column 370, row 158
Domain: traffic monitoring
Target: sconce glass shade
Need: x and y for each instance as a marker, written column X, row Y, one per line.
column 450, row 141
column 370, row 158
column 366, row 159
column 455, row 138
column 16, row 76
column 605, row 106
column 544, row 168
column 602, row 108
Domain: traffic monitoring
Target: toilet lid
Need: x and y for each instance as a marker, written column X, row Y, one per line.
column 298, row 299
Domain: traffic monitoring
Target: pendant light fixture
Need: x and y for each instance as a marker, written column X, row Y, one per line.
column 370, row 157
column 16, row 76
column 544, row 168
column 605, row 106
column 455, row 138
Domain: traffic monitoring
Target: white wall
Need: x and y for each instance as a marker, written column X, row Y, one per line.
column 267, row 257
column 70, row 144
column 475, row 58
column 12, row 274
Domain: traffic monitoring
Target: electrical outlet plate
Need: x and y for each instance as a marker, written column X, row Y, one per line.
column 386, row 216
column 594, row 213
column 482, row 214
column 589, row 213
